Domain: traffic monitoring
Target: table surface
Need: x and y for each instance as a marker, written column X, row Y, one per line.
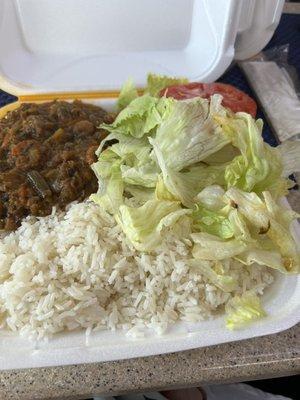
column 257, row 358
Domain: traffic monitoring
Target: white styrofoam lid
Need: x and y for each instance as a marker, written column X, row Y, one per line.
column 89, row 45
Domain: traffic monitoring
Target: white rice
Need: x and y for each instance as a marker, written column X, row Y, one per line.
column 75, row 269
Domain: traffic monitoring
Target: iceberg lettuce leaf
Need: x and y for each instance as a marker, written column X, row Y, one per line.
column 241, row 310
column 224, row 282
column 143, row 225
column 127, row 94
column 156, row 83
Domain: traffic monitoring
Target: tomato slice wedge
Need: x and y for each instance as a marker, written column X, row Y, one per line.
column 233, row 98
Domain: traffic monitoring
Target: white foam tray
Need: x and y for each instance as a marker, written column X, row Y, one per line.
column 89, row 45
column 281, row 301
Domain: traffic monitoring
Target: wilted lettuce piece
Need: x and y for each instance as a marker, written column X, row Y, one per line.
column 218, row 222
column 224, row 282
column 213, row 216
column 239, row 226
column 131, row 149
column 140, row 194
column 110, row 191
column 202, row 175
column 283, row 215
column 155, row 83
column 174, row 183
column 161, row 191
column 211, row 247
column 125, row 144
column 223, row 156
column 251, row 166
column 143, row 225
column 102, row 168
column 142, row 175
column 242, row 310
column 184, row 186
column 136, row 165
column 127, row 94
column 272, row 223
column 269, row 258
column 139, row 118
column 212, row 197
column 212, row 222
column 259, row 166
column 251, row 206
column 189, row 133
column 282, row 238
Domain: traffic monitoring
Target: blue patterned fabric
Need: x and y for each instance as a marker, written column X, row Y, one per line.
column 288, row 31
column 6, row 98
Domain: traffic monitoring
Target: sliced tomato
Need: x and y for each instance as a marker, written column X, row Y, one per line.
column 233, row 98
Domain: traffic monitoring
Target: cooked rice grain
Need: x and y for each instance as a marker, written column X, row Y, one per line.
column 75, row 269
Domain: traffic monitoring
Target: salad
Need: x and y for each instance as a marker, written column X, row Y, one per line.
column 191, row 156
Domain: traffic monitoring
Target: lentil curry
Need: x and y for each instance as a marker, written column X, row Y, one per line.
column 45, row 155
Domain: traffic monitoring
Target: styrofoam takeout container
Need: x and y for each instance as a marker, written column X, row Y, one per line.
column 86, row 49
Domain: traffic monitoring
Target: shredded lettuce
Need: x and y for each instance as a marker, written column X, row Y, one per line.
column 272, row 259
column 140, row 194
column 139, row 117
column 211, row 247
column 110, row 192
column 222, row 281
column 258, row 167
column 241, row 310
column 161, row 191
column 127, row 94
column 155, row 83
column 103, row 167
column 189, row 132
column 132, row 150
column 211, row 197
column 144, row 175
column 251, row 206
column 205, row 172
column 270, row 226
column 184, row 186
column 144, row 224
column 250, row 229
column 212, row 222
